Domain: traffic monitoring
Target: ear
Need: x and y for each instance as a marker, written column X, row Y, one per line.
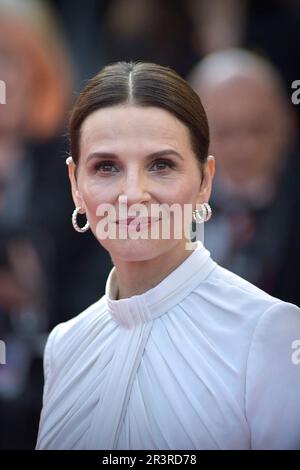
column 208, row 171
column 75, row 192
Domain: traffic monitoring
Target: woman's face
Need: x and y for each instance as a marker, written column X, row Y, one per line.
column 144, row 155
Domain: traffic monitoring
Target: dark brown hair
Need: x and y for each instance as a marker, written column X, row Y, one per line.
column 142, row 84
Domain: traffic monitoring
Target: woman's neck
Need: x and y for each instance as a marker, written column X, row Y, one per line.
column 137, row 277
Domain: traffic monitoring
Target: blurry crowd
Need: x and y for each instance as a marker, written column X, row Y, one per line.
column 241, row 56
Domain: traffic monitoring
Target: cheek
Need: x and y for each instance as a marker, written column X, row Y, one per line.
column 186, row 191
column 94, row 194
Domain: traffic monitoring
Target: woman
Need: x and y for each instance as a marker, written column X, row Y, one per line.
column 179, row 353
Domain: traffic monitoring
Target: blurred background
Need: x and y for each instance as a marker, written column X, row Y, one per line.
column 241, row 56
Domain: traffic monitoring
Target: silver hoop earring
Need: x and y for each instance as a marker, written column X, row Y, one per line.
column 203, row 215
column 75, row 224
column 208, row 211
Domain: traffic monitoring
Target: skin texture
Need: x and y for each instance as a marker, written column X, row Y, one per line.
column 134, row 134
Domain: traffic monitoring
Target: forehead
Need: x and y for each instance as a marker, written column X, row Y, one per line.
column 133, row 127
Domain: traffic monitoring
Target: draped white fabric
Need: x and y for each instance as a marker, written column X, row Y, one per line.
column 201, row 361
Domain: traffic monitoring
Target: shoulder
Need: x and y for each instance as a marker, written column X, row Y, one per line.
column 273, row 379
column 268, row 308
column 276, row 333
column 229, row 301
column 238, row 284
column 94, row 312
column 237, row 294
column 272, row 357
column 66, row 336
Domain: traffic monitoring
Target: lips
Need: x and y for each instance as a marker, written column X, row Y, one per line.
column 134, row 221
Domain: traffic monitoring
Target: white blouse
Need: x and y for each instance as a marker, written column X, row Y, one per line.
column 204, row 360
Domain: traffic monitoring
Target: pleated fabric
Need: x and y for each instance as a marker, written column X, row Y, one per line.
column 193, row 363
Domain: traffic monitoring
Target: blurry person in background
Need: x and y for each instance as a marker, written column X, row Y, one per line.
column 35, row 70
column 256, row 195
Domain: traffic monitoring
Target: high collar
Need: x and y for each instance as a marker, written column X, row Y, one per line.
column 171, row 290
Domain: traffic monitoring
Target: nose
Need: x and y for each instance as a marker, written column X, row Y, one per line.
column 136, row 188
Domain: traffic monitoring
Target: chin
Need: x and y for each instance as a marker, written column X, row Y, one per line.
column 137, row 250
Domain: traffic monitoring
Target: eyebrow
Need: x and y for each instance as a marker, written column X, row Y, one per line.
column 160, row 153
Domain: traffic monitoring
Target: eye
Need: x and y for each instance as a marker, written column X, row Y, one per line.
column 162, row 164
column 106, row 167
